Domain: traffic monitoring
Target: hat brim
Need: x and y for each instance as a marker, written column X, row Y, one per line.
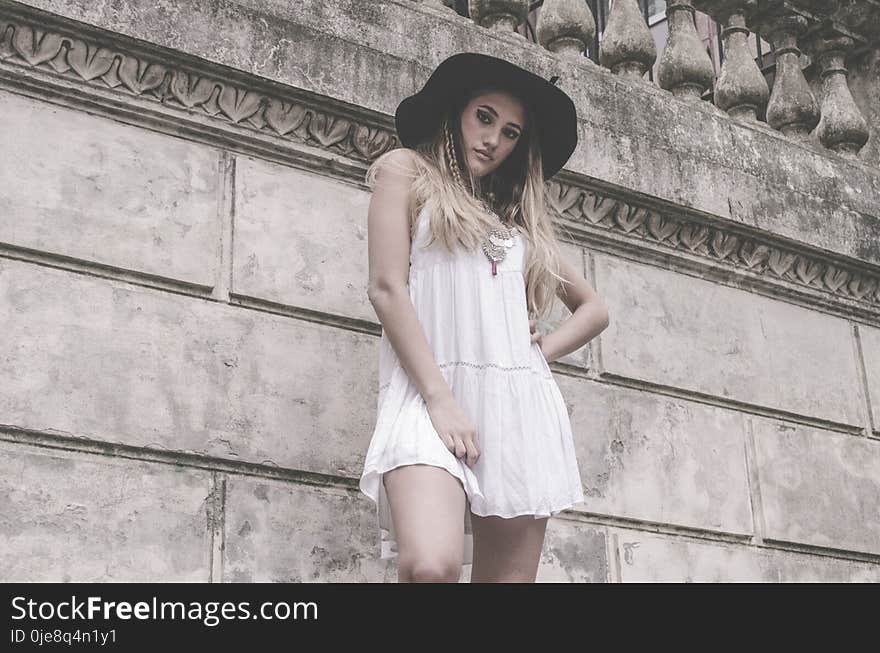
column 417, row 117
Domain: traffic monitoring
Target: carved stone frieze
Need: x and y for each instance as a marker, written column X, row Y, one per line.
column 105, row 66
column 721, row 245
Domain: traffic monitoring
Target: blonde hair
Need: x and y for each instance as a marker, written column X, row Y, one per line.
column 515, row 191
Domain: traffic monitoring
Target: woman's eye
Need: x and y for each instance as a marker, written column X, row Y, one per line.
column 512, row 134
column 483, row 116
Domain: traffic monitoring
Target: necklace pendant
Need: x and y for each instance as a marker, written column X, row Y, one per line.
column 497, row 242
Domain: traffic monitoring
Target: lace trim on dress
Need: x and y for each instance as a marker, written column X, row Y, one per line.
column 482, row 365
column 478, row 366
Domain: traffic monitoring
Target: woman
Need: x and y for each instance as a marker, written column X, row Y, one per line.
column 472, row 450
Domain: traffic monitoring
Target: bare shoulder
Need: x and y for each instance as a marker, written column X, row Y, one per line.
column 402, row 155
column 396, row 166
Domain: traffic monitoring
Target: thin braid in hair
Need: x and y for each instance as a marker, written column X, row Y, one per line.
column 450, row 153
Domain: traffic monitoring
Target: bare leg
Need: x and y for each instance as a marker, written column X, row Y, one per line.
column 507, row 550
column 427, row 508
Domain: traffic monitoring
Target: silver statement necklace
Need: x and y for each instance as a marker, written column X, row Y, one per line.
column 497, row 241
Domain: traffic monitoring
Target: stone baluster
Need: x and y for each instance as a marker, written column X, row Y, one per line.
column 685, row 66
column 740, row 89
column 627, row 47
column 842, row 127
column 566, row 27
column 499, row 15
column 792, row 108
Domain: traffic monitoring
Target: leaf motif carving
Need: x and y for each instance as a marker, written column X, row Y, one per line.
column 596, row 208
column 283, row 117
column 563, row 196
column 328, row 130
column 807, row 270
column 36, row 46
column 191, row 90
column 629, row 217
column 753, row 255
column 370, row 141
column 660, row 227
column 861, row 286
column 834, row 277
column 141, row 76
column 780, row 262
column 6, row 32
column 724, row 244
column 693, row 236
column 238, row 103
column 89, row 61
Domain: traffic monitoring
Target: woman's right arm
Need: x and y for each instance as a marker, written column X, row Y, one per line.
column 388, row 244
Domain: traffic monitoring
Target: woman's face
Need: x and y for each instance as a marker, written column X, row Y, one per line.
column 491, row 126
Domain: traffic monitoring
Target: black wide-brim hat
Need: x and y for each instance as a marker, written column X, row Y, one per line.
column 418, row 117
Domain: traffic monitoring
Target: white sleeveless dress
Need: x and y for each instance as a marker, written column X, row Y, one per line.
column 478, row 328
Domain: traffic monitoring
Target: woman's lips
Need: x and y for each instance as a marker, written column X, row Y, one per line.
column 483, row 156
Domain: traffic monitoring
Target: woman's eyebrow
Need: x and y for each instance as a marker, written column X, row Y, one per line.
column 495, row 113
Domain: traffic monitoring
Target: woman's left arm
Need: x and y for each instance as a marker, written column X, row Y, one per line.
column 589, row 316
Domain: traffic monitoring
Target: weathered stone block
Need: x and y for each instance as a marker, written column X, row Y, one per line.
column 651, row 558
column 659, row 458
column 120, row 363
column 75, row 517
column 300, row 239
column 97, row 190
column 818, row 487
column 685, row 332
column 290, row 533
column 871, row 351
column 574, row 552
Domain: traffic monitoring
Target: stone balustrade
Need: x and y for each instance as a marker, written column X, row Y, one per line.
column 627, row 47
column 500, row 15
column 741, row 88
column 685, row 67
column 566, row 27
column 829, row 33
column 842, row 127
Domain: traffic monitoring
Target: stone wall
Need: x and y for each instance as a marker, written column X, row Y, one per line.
column 188, row 363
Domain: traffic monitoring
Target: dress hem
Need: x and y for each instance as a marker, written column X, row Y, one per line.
column 528, row 511
column 388, row 544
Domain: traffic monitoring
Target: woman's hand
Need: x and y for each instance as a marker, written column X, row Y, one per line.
column 536, row 337
column 454, row 428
